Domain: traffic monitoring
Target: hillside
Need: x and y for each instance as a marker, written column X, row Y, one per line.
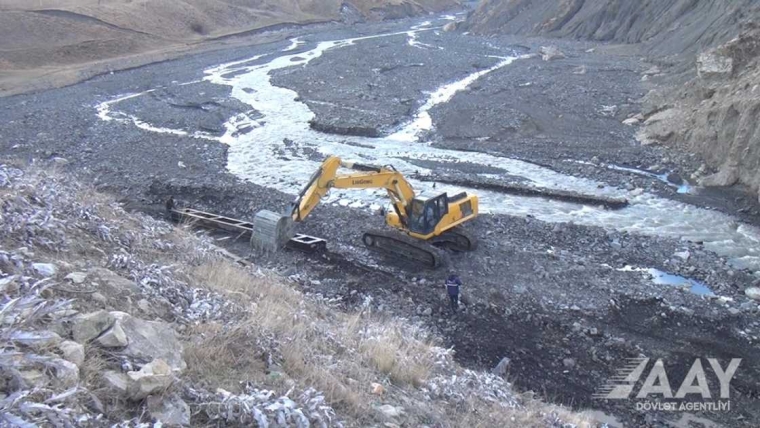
column 701, row 90
column 40, row 38
column 114, row 318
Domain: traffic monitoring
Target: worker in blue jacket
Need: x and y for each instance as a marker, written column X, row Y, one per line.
column 453, row 284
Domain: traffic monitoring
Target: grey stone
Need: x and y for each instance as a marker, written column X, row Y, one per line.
column 153, row 378
column 549, row 53
column 502, row 367
column 76, row 277
column 169, row 410
column 72, row 352
column 711, row 64
column 45, row 269
column 116, row 382
column 114, row 337
column 753, row 293
column 89, row 326
column 66, row 372
column 568, row 362
column 151, row 339
column 390, row 412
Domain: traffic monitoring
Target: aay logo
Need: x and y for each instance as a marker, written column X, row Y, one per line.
column 621, row 386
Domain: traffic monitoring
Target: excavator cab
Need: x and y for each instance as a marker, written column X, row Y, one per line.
column 426, row 213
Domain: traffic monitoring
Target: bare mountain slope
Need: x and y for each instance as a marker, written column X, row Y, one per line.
column 44, row 36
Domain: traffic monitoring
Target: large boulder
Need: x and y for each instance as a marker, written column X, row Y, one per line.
column 113, row 284
column 151, row 339
column 753, row 293
column 89, row 326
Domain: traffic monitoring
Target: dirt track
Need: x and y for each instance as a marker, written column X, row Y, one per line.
column 540, row 293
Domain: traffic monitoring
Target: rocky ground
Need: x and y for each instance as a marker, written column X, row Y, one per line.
column 551, row 298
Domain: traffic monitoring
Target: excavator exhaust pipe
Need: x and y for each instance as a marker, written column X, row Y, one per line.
column 271, row 231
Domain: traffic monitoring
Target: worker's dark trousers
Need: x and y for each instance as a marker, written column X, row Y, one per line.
column 454, row 302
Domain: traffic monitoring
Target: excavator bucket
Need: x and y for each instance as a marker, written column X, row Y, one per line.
column 271, row 231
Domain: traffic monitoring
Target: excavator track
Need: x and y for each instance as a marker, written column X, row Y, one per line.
column 404, row 247
column 457, row 239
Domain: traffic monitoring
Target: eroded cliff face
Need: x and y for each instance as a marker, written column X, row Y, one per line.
column 716, row 113
column 707, row 101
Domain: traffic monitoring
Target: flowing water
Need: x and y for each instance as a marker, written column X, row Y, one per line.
column 256, row 156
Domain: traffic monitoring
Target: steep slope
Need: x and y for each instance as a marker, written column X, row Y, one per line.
column 40, row 37
column 703, row 102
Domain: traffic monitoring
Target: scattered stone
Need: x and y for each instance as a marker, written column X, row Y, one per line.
column 66, row 372
column 169, row 410
column 76, row 277
column 427, row 312
column 753, row 293
column 377, row 389
column 637, row 192
column 35, row 339
column 99, row 298
column 652, row 71
column 89, row 326
column 549, row 53
column 451, row 26
column 45, row 269
column 390, row 412
column 116, row 382
column 114, row 337
column 734, row 311
column 153, row 378
column 114, row 284
column 580, row 70
column 711, row 64
column 683, row 255
column 33, row 378
column 502, row 367
column 72, row 352
column 60, row 161
column 568, row 362
column 151, row 339
column 631, row 121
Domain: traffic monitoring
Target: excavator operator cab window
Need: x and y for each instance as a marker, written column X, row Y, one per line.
column 427, row 213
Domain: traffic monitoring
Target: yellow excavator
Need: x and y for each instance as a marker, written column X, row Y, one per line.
column 420, row 226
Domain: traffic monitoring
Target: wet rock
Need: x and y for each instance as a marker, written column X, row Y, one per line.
column 114, row 337
column 675, row 179
column 72, row 352
column 89, row 326
column 753, row 293
column 151, row 339
column 76, row 277
column 153, row 378
column 549, row 53
column 45, row 269
column 502, row 367
column 169, row 410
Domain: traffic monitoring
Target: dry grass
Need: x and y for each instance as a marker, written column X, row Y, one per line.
column 337, row 353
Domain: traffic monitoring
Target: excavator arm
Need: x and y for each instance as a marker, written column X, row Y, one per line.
column 369, row 177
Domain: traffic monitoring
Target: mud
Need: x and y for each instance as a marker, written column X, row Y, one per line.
column 536, row 292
